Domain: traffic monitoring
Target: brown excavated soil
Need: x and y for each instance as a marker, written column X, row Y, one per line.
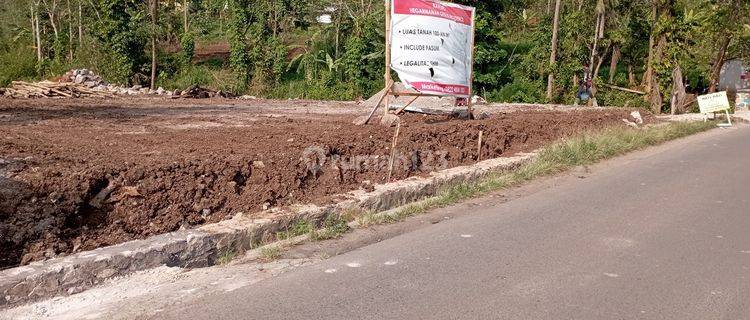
column 80, row 174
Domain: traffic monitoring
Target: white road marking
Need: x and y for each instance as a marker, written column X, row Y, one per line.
column 390, row 263
column 330, row 271
column 618, row 243
column 353, row 265
column 612, row 275
column 466, row 236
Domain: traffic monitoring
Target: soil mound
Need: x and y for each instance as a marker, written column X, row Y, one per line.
column 77, row 178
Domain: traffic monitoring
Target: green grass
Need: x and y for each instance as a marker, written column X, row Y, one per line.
column 270, row 253
column 314, row 89
column 226, row 257
column 580, row 150
column 576, row 151
column 299, row 228
column 205, row 75
column 333, row 227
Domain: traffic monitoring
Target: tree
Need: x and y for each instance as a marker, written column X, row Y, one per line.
column 678, row 91
column 35, row 30
column 186, row 13
column 238, row 21
column 526, row 50
column 122, row 33
column 553, row 52
column 726, row 24
column 648, row 75
column 154, row 5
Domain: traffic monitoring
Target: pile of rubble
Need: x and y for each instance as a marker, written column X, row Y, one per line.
column 426, row 101
column 93, row 81
column 78, row 83
column 84, row 77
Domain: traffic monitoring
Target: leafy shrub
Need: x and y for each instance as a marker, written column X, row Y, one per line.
column 17, row 65
column 615, row 98
column 121, row 37
column 316, row 90
column 205, row 76
column 519, row 91
column 187, row 42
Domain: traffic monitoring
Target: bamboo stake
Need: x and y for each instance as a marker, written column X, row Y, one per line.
column 21, row 87
column 479, row 146
column 51, row 89
column 401, row 110
column 623, row 89
column 393, row 152
column 377, row 105
column 471, row 67
column 42, row 88
column 388, row 82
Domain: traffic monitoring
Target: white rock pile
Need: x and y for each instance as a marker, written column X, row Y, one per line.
column 85, row 77
column 93, row 81
column 79, row 83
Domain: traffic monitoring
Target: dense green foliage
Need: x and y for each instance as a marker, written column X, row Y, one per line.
column 282, row 49
column 121, row 37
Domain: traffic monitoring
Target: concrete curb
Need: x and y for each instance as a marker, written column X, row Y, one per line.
column 201, row 247
column 739, row 117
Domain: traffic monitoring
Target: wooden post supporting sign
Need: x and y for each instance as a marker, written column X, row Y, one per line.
column 715, row 102
column 469, row 103
column 388, row 82
column 429, row 84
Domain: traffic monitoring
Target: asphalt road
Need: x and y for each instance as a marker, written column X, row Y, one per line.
column 660, row 234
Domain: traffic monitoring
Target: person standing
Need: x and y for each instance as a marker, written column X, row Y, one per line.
column 584, row 86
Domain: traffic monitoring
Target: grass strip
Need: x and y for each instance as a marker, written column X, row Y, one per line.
column 584, row 149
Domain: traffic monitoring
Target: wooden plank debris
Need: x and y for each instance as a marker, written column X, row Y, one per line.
column 623, row 89
column 48, row 89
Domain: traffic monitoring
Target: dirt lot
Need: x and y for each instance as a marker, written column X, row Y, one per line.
column 80, row 174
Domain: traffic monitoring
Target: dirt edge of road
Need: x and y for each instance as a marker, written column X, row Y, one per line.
column 204, row 246
column 209, row 244
column 296, row 250
column 78, row 177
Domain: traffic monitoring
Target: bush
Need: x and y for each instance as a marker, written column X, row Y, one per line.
column 18, row 64
column 316, row 90
column 120, row 36
column 187, row 42
column 615, row 98
column 205, row 76
column 519, row 91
